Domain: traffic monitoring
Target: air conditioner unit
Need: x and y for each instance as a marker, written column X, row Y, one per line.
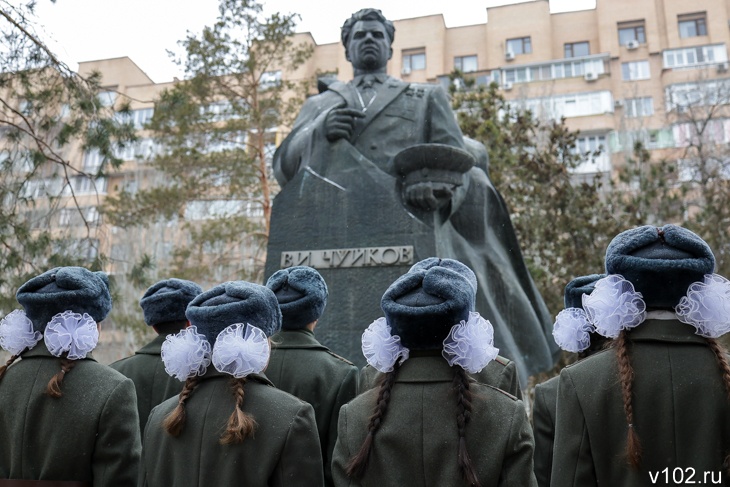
column 590, row 76
column 509, row 56
column 618, row 104
column 507, row 86
column 722, row 67
column 632, row 44
column 405, row 71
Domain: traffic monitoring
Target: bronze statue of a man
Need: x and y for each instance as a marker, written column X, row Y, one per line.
column 344, row 188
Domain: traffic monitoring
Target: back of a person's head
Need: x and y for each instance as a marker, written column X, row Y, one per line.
column 230, row 328
column 63, row 307
column 302, row 295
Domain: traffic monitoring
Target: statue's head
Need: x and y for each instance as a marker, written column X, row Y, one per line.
column 367, row 37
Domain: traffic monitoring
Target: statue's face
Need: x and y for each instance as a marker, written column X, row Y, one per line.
column 369, row 46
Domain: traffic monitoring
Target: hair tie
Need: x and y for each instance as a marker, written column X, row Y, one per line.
column 186, row 354
column 470, row 344
column 707, row 306
column 380, row 348
column 71, row 333
column 613, row 306
column 572, row 329
column 241, row 350
column 17, row 334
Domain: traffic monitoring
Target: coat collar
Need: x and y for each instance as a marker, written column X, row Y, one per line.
column 301, row 338
column 40, row 350
column 665, row 331
column 212, row 373
column 426, row 368
column 154, row 347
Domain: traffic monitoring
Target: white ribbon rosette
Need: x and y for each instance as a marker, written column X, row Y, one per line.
column 186, row 354
column 613, row 306
column 470, row 344
column 380, row 348
column 241, row 350
column 707, row 306
column 572, row 330
column 16, row 332
column 71, row 333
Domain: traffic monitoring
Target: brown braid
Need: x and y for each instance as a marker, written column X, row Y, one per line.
column 175, row 421
column 463, row 393
column 626, row 375
column 3, row 368
column 54, row 385
column 240, row 425
column 722, row 360
column 357, row 464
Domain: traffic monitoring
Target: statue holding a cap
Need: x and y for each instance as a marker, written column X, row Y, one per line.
column 378, row 162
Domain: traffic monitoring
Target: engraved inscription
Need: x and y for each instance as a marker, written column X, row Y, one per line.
column 345, row 258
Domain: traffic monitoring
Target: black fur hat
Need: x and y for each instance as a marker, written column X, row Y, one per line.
column 65, row 289
column 167, row 300
column 579, row 286
column 422, row 305
column 302, row 295
column 661, row 263
column 234, row 302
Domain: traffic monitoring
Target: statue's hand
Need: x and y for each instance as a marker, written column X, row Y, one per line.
column 428, row 196
column 340, row 122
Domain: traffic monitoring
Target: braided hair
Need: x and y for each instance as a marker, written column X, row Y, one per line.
column 175, row 420
column 240, row 425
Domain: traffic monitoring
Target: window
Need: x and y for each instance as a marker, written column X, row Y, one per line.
column 595, row 156
column 635, row 70
column 695, row 56
column 107, row 98
column 414, row 59
column 693, row 25
column 569, row 105
column 138, row 118
column 577, row 49
column 270, row 79
column 79, row 216
column 520, row 45
column 555, row 70
column 465, row 64
column 631, row 31
column 92, row 161
column 683, row 96
column 639, row 107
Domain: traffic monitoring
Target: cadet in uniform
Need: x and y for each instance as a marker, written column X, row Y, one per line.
column 429, row 423
column 63, row 416
column 299, row 364
column 656, row 402
column 163, row 305
column 229, row 425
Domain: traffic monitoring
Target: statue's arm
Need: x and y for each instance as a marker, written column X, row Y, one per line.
column 290, row 156
column 441, row 126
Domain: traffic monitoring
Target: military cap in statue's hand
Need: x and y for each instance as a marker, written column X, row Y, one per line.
column 430, row 173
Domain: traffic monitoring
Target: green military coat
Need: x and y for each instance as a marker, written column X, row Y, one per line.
column 89, row 435
column 284, row 452
column 543, row 427
column 418, row 440
column 681, row 413
column 500, row 373
column 152, row 383
column 301, row 366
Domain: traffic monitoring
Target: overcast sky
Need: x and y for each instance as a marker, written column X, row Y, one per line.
column 87, row 30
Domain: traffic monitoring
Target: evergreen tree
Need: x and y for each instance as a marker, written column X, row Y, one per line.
column 216, row 132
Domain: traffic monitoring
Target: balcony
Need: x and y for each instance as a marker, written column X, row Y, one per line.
column 587, row 67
